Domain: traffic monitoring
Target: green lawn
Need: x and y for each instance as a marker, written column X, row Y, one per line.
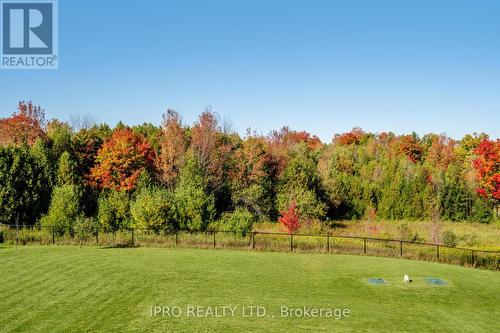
column 68, row 289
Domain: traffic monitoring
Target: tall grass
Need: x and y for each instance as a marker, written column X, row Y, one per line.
column 478, row 236
column 260, row 241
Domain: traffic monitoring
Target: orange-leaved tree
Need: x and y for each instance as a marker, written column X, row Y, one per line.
column 173, row 143
column 410, row 146
column 212, row 149
column 121, row 160
column 290, row 218
column 355, row 136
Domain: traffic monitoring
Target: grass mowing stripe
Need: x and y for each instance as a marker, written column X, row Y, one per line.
column 27, row 280
column 44, row 291
column 63, row 300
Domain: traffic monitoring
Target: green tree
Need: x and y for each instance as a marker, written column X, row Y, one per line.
column 195, row 206
column 67, row 173
column 114, row 210
column 150, row 132
column 454, row 196
column 153, row 208
column 59, row 134
column 300, row 183
column 415, row 193
column 84, row 227
column 41, row 152
column 239, row 220
column 480, row 210
column 24, row 186
column 252, row 184
column 401, row 190
column 64, row 209
column 85, row 144
column 346, row 172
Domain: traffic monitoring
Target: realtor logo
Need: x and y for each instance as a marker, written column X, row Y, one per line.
column 29, row 35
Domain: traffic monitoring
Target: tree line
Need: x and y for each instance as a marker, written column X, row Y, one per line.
column 202, row 176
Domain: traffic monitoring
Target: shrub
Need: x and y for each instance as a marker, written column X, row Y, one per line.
column 290, row 218
column 63, row 210
column 405, row 233
column 481, row 211
column 434, row 228
column 239, row 220
column 153, row 209
column 449, row 238
column 8, row 234
column 84, row 227
column 1, row 237
column 31, row 235
column 313, row 226
column 470, row 239
column 114, row 210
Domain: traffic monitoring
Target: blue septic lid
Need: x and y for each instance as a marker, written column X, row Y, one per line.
column 435, row 281
column 376, row 281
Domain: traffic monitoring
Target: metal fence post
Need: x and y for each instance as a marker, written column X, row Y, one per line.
column 401, row 248
column 53, row 236
column 132, row 236
column 17, row 229
column 291, row 242
column 214, row 239
column 437, row 251
column 176, row 240
column 364, row 245
column 252, row 240
column 473, row 261
column 328, row 243
column 97, row 237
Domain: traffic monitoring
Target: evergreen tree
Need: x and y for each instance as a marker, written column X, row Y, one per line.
column 25, row 186
column 67, row 173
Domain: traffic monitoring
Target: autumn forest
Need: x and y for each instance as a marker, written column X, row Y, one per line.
column 199, row 176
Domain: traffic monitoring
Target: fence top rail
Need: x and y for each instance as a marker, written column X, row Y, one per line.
column 285, row 234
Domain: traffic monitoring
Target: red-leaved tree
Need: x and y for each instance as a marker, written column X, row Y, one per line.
column 121, row 160
column 487, row 165
column 24, row 126
column 290, row 218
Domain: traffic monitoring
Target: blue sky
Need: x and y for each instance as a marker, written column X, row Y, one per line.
column 320, row 66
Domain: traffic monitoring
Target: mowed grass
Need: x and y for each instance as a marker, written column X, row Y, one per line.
column 68, row 289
